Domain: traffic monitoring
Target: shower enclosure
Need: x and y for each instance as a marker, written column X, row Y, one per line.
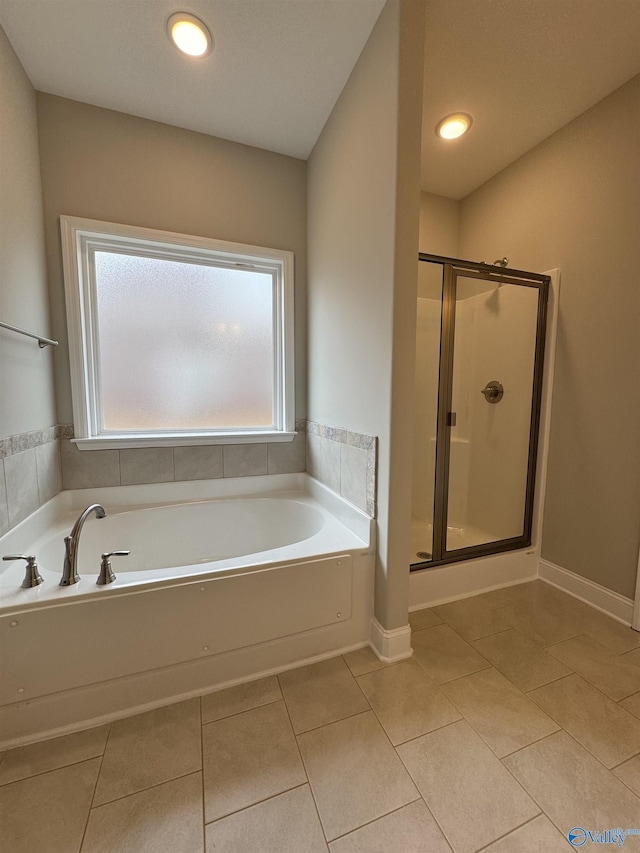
column 480, row 348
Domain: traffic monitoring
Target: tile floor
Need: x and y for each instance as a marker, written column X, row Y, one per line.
column 517, row 718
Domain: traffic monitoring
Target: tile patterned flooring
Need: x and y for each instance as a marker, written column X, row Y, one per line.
column 517, row 718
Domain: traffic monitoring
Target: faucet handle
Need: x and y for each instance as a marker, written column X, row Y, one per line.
column 32, row 576
column 106, row 573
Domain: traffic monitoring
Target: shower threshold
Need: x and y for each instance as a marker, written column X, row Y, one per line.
column 457, row 537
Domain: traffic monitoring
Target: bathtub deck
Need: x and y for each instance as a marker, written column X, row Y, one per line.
column 325, row 758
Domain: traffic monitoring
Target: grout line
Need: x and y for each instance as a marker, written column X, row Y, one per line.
column 333, row 722
column 51, row 769
column 95, row 788
column 235, row 713
column 586, row 749
column 631, row 696
column 424, row 799
column 628, row 787
column 547, row 683
column 466, row 675
column 468, row 643
column 204, row 834
column 624, row 761
column 533, row 742
column 588, row 680
column 528, row 792
column 629, row 652
column 257, row 803
column 425, row 627
column 376, row 819
column 515, row 829
column 486, row 636
column 567, row 640
column 432, row 731
column 239, row 713
column 575, row 740
column 483, row 738
column 467, row 640
column 143, row 790
column 521, row 748
column 494, row 634
column 304, row 766
column 422, row 734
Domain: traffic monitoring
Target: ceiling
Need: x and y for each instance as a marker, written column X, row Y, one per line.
column 522, row 68
column 275, row 74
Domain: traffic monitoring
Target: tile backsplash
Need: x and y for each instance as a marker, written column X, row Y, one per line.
column 35, row 466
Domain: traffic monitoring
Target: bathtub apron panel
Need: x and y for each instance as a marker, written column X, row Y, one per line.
column 95, row 640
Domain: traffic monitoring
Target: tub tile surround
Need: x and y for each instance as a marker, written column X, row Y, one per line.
column 345, row 461
column 165, row 464
column 28, row 440
column 36, row 465
column 83, row 469
column 30, row 474
column 385, row 768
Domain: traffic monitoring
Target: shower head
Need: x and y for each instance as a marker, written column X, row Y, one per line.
column 500, row 262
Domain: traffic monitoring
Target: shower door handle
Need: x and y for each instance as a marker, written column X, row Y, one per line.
column 451, row 419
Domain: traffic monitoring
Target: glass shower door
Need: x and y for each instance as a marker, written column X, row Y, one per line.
column 492, row 361
column 492, row 374
column 480, row 350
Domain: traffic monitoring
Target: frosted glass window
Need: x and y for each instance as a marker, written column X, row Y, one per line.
column 183, row 346
column 175, row 339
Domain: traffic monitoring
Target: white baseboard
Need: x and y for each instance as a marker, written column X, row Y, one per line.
column 390, row 646
column 612, row 603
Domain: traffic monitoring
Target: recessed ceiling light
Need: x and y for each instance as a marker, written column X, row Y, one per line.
column 189, row 34
column 453, row 126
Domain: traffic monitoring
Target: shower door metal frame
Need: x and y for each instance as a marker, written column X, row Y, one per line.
column 452, row 269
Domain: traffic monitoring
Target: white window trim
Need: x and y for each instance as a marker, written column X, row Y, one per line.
column 79, row 236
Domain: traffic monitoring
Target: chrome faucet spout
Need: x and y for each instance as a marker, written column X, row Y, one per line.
column 70, row 569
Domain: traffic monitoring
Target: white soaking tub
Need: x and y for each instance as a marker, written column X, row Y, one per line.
column 226, row 580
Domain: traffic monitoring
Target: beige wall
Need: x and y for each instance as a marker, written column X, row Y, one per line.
column 574, row 203
column 439, row 225
column 356, row 256
column 26, row 379
column 106, row 165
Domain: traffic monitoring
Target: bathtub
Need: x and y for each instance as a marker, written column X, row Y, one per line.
column 227, row 580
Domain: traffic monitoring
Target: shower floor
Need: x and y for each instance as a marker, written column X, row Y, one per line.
column 457, row 537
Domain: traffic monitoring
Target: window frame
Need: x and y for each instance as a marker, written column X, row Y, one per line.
column 80, row 239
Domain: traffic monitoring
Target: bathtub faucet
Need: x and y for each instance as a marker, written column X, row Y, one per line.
column 71, row 542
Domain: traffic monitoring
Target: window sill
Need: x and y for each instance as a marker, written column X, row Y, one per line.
column 122, row 442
